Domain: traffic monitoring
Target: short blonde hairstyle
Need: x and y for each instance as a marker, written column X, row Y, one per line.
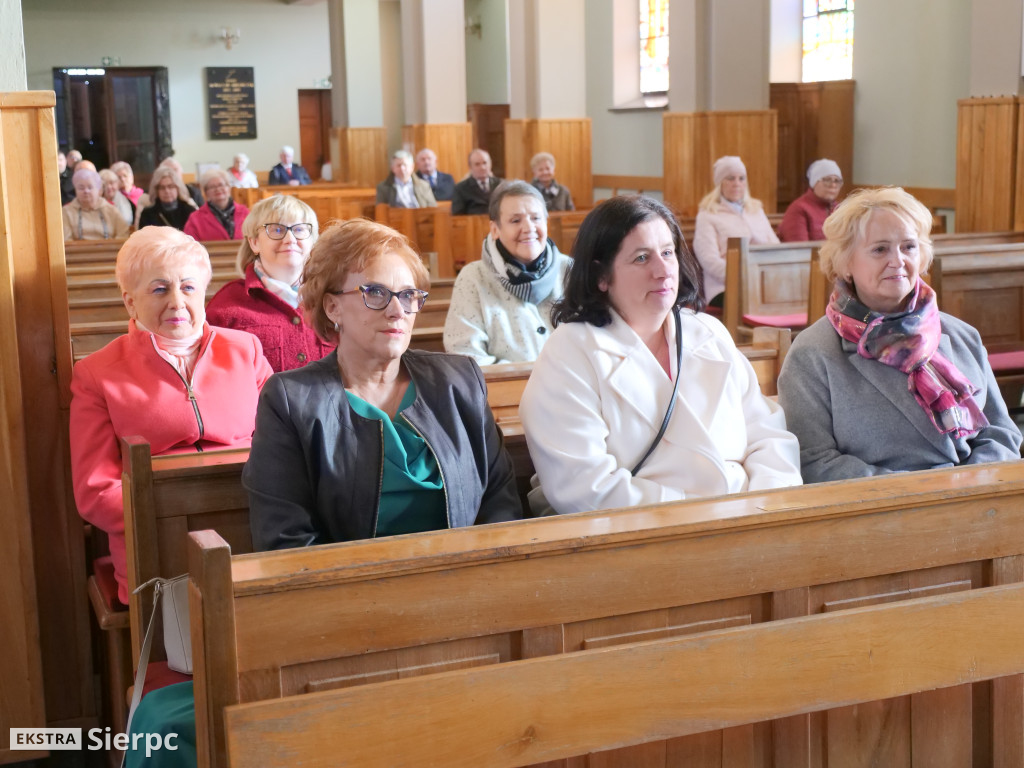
column 272, row 210
column 848, row 224
column 108, row 175
column 153, row 245
column 211, row 174
column 166, row 172
column 539, row 158
column 346, row 247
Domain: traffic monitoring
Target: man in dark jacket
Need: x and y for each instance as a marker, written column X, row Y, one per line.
column 284, row 173
column 441, row 184
column 473, row 194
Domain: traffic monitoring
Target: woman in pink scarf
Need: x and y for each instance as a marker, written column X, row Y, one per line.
column 885, row 382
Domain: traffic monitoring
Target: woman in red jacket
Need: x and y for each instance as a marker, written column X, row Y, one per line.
column 172, row 379
column 220, row 218
column 279, row 234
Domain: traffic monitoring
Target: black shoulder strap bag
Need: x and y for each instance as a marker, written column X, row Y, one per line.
column 672, row 400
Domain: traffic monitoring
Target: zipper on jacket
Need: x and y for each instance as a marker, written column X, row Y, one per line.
column 444, row 483
column 380, row 480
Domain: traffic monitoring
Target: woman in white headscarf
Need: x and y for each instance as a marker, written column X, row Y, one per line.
column 727, row 211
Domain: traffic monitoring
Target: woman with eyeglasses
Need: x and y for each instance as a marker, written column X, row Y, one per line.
column 375, row 439
column 278, row 235
column 806, row 215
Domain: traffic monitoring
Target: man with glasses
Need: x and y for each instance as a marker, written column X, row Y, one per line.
column 805, row 215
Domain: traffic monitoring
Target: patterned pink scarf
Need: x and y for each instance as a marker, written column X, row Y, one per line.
column 909, row 342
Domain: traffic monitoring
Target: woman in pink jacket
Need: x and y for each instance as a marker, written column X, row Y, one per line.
column 220, row 218
column 727, row 211
column 174, row 380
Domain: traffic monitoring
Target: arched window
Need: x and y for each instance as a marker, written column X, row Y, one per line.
column 653, row 46
column 828, row 40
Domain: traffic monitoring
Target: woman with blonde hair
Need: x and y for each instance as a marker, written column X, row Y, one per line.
column 113, row 195
column 278, row 235
column 727, row 211
column 885, row 382
column 173, row 203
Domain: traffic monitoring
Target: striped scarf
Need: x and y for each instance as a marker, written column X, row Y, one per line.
column 532, row 283
column 909, row 342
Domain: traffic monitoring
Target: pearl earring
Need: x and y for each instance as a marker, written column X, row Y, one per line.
column 336, row 326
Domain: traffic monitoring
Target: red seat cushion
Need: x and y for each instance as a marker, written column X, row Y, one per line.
column 103, row 570
column 1005, row 362
column 713, row 311
column 796, row 320
column 159, row 675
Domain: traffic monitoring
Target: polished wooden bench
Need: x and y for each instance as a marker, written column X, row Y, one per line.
column 765, row 285
column 330, row 201
column 690, row 612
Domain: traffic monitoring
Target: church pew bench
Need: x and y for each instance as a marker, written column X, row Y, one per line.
column 428, row 230
column 474, row 604
column 518, row 713
column 329, row 200
column 765, row 285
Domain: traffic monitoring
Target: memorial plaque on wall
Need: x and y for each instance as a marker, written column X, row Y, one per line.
column 231, row 100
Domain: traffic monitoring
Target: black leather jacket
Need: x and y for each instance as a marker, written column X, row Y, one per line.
column 315, row 468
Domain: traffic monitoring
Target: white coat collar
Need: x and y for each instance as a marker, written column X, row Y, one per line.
column 639, row 380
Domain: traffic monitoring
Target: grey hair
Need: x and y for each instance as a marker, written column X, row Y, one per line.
column 513, row 188
column 211, row 174
column 288, row 150
column 401, row 154
column 540, row 157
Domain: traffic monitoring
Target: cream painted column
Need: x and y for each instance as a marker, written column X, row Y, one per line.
column 434, row 62
column 12, row 47
column 718, row 98
column 358, row 136
column 548, row 73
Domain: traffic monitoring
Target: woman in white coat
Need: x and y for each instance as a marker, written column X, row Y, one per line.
column 727, row 211
column 594, row 407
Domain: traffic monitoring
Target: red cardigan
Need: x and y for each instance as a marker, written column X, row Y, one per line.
column 246, row 305
column 803, row 219
column 126, row 389
column 204, row 225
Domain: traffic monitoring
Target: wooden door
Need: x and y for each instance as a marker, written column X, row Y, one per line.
column 489, row 133
column 314, row 129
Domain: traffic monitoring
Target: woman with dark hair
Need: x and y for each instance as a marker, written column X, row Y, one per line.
column 173, row 205
column 609, row 421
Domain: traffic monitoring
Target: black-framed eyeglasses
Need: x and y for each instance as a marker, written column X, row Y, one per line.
column 376, row 296
column 280, row 231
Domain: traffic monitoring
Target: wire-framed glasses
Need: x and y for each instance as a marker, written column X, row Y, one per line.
column 280, row 231
column 376, row 296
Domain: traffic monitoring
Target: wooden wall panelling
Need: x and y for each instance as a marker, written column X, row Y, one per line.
column 36, row 252
column 569, row 140
column 1018, row 199
column 815, row 121
column 362, row 155
column 694, row 140
column 451, row 143
column 488, row 121
column 21, row 674
column 986, row 164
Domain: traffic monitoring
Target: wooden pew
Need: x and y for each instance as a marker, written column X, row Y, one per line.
column 563, row 226
column 429, row 231
column 518, row 601
column 518, row 713
column 467, row 237
column 765, row 285
column 331, row 201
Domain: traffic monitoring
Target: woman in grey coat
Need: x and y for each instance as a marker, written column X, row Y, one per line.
column 885, row 382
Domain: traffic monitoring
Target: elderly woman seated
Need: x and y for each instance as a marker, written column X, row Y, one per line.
column 113, row 195
column 374, row 439
column 403, row 188
column 127, row 176
column 638, row 398
column 89, row 216
column 279, row 233
column 805, row 216
column 501, row 305
column 173, row 204
column 172, row 379
column 556, row 197
column 220, row 217
column 241, row 176
column 727, row 211
column 885, row 382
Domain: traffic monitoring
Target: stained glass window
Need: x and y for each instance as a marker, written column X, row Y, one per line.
column 653, row 46
column 828, row 40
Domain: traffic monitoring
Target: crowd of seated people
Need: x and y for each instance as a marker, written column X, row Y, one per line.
column 636, row 395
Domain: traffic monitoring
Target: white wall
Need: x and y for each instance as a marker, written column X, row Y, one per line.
column 12, row 48
column 487, row 74
column 623, row 142
column 286, row 45
column 911, row 63
column 787, row 48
